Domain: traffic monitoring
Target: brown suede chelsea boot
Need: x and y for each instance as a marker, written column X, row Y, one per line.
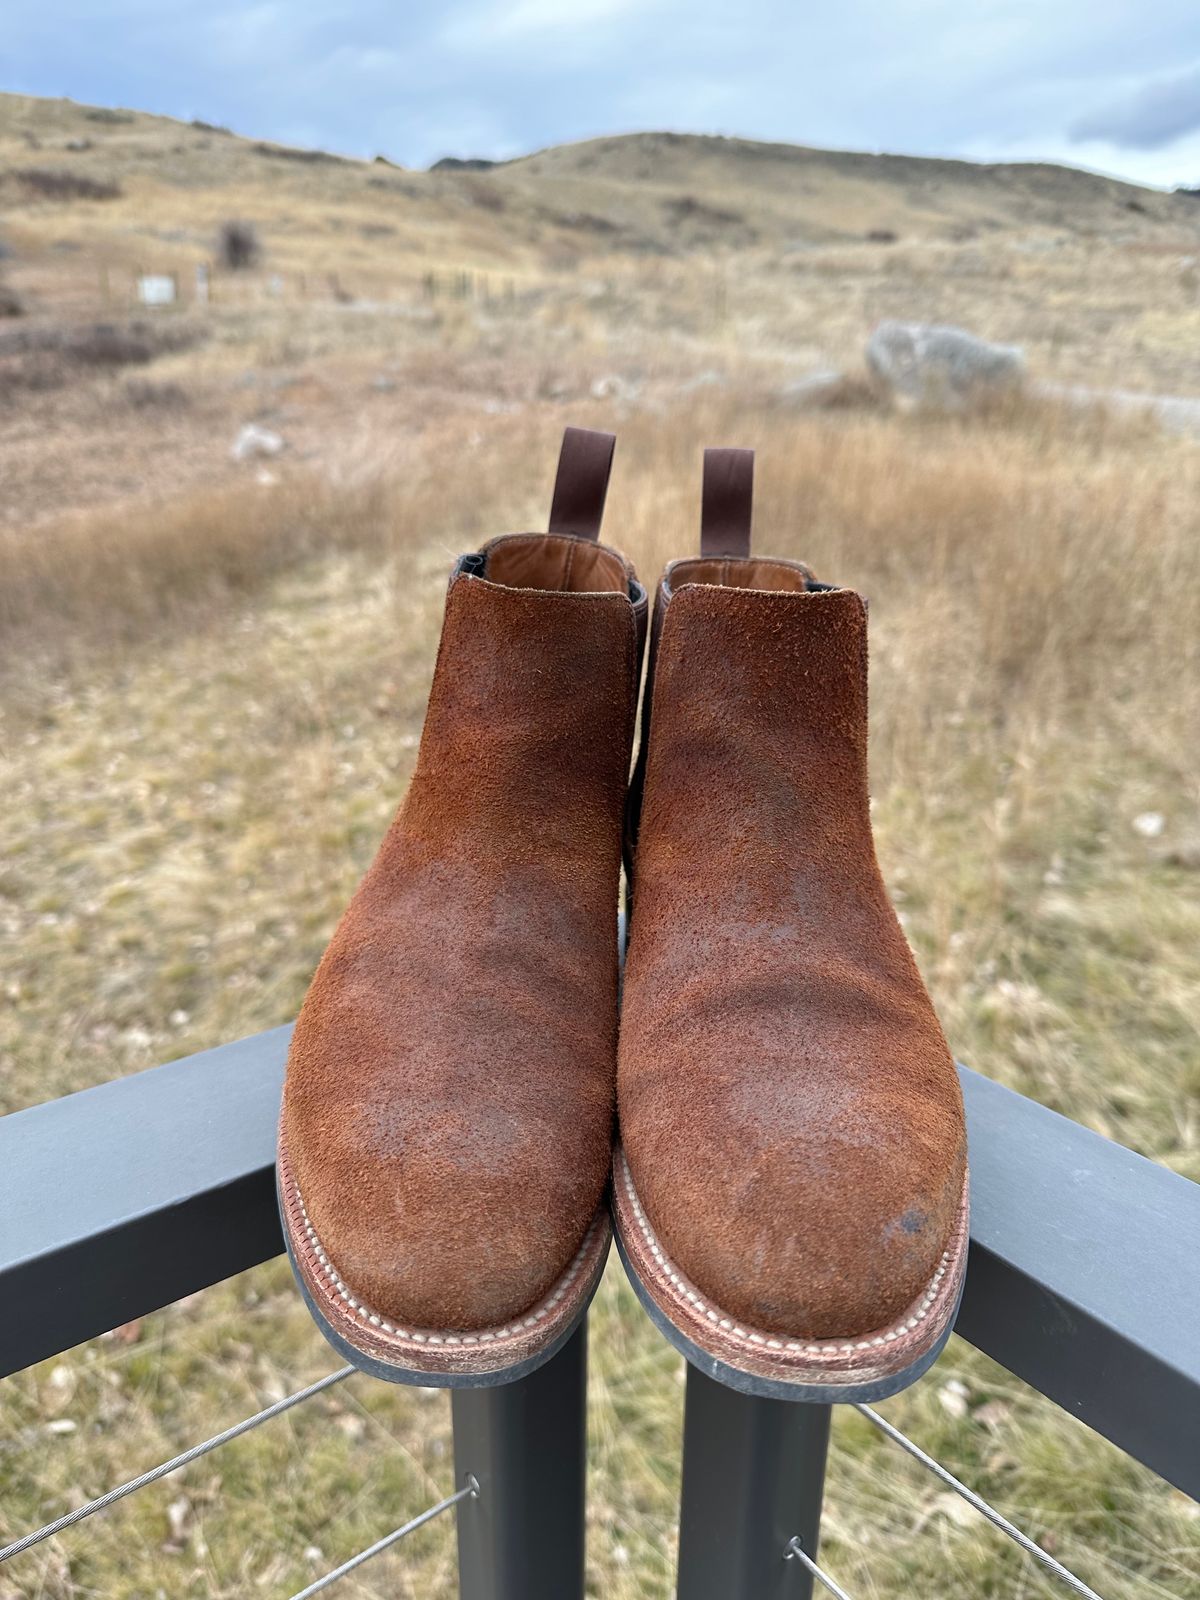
column 446, row 1131
column 790, row 1190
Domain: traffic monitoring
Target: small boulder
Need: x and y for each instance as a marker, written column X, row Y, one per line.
column 615, row 387
column 941, row 368
column 254, row 441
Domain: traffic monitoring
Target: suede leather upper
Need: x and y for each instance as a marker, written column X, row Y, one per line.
column 788, row 1106
column 449, row 1096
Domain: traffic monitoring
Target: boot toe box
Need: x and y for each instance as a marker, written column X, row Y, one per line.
column 453, row 1223
column 804, row 1229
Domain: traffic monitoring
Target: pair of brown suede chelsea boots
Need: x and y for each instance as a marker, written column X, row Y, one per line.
column 788, row 1184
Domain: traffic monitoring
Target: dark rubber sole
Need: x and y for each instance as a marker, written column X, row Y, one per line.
column 771, row 1388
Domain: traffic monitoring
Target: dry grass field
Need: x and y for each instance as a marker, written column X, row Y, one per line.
column 212, row 680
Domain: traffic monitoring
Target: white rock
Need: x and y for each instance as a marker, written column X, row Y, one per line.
column 954, row 1509
column 179, row 1518
column 253, row 440
column 614, row 387
column 941, row 368
column 953, row 1397
column 1149, row 824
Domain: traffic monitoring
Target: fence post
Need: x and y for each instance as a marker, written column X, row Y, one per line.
column 753, row 1474
column 525, row 1443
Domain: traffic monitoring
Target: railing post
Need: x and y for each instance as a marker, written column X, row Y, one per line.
column 753, row 1475
column 525, row 1443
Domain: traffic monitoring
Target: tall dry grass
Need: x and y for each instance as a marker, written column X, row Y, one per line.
column 118, row 578
column 1039, row 555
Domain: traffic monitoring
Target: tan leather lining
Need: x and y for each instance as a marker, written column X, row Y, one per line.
column 554, row 561
column 733, row 572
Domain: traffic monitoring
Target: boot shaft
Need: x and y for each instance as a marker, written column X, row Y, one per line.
column 755, row 707
column 759, row 723
column 526, row 744
column 527, row 736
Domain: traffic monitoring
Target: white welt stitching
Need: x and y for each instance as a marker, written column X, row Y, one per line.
column 740, row 1335
column 510, row 1331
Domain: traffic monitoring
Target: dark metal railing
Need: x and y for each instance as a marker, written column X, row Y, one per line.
column 1082, row 1281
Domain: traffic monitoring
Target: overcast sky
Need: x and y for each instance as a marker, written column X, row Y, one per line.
column 1109, row 84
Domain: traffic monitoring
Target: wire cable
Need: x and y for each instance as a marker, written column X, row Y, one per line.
column 980, row 1504
column 102, row 1502
column 469, row 1491
column 795, row 1551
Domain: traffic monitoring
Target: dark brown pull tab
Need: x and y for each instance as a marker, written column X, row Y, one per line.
column 727, row 502
column 581, row 484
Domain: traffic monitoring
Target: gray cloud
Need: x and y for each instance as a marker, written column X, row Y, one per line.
column 1154, row 116
column 995, row 80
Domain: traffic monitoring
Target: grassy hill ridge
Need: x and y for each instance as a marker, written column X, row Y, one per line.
column 652, row 194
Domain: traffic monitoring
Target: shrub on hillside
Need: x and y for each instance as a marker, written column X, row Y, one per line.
column 41, row 358
column 287, row 152
column 55, row 183
column 238, row 246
